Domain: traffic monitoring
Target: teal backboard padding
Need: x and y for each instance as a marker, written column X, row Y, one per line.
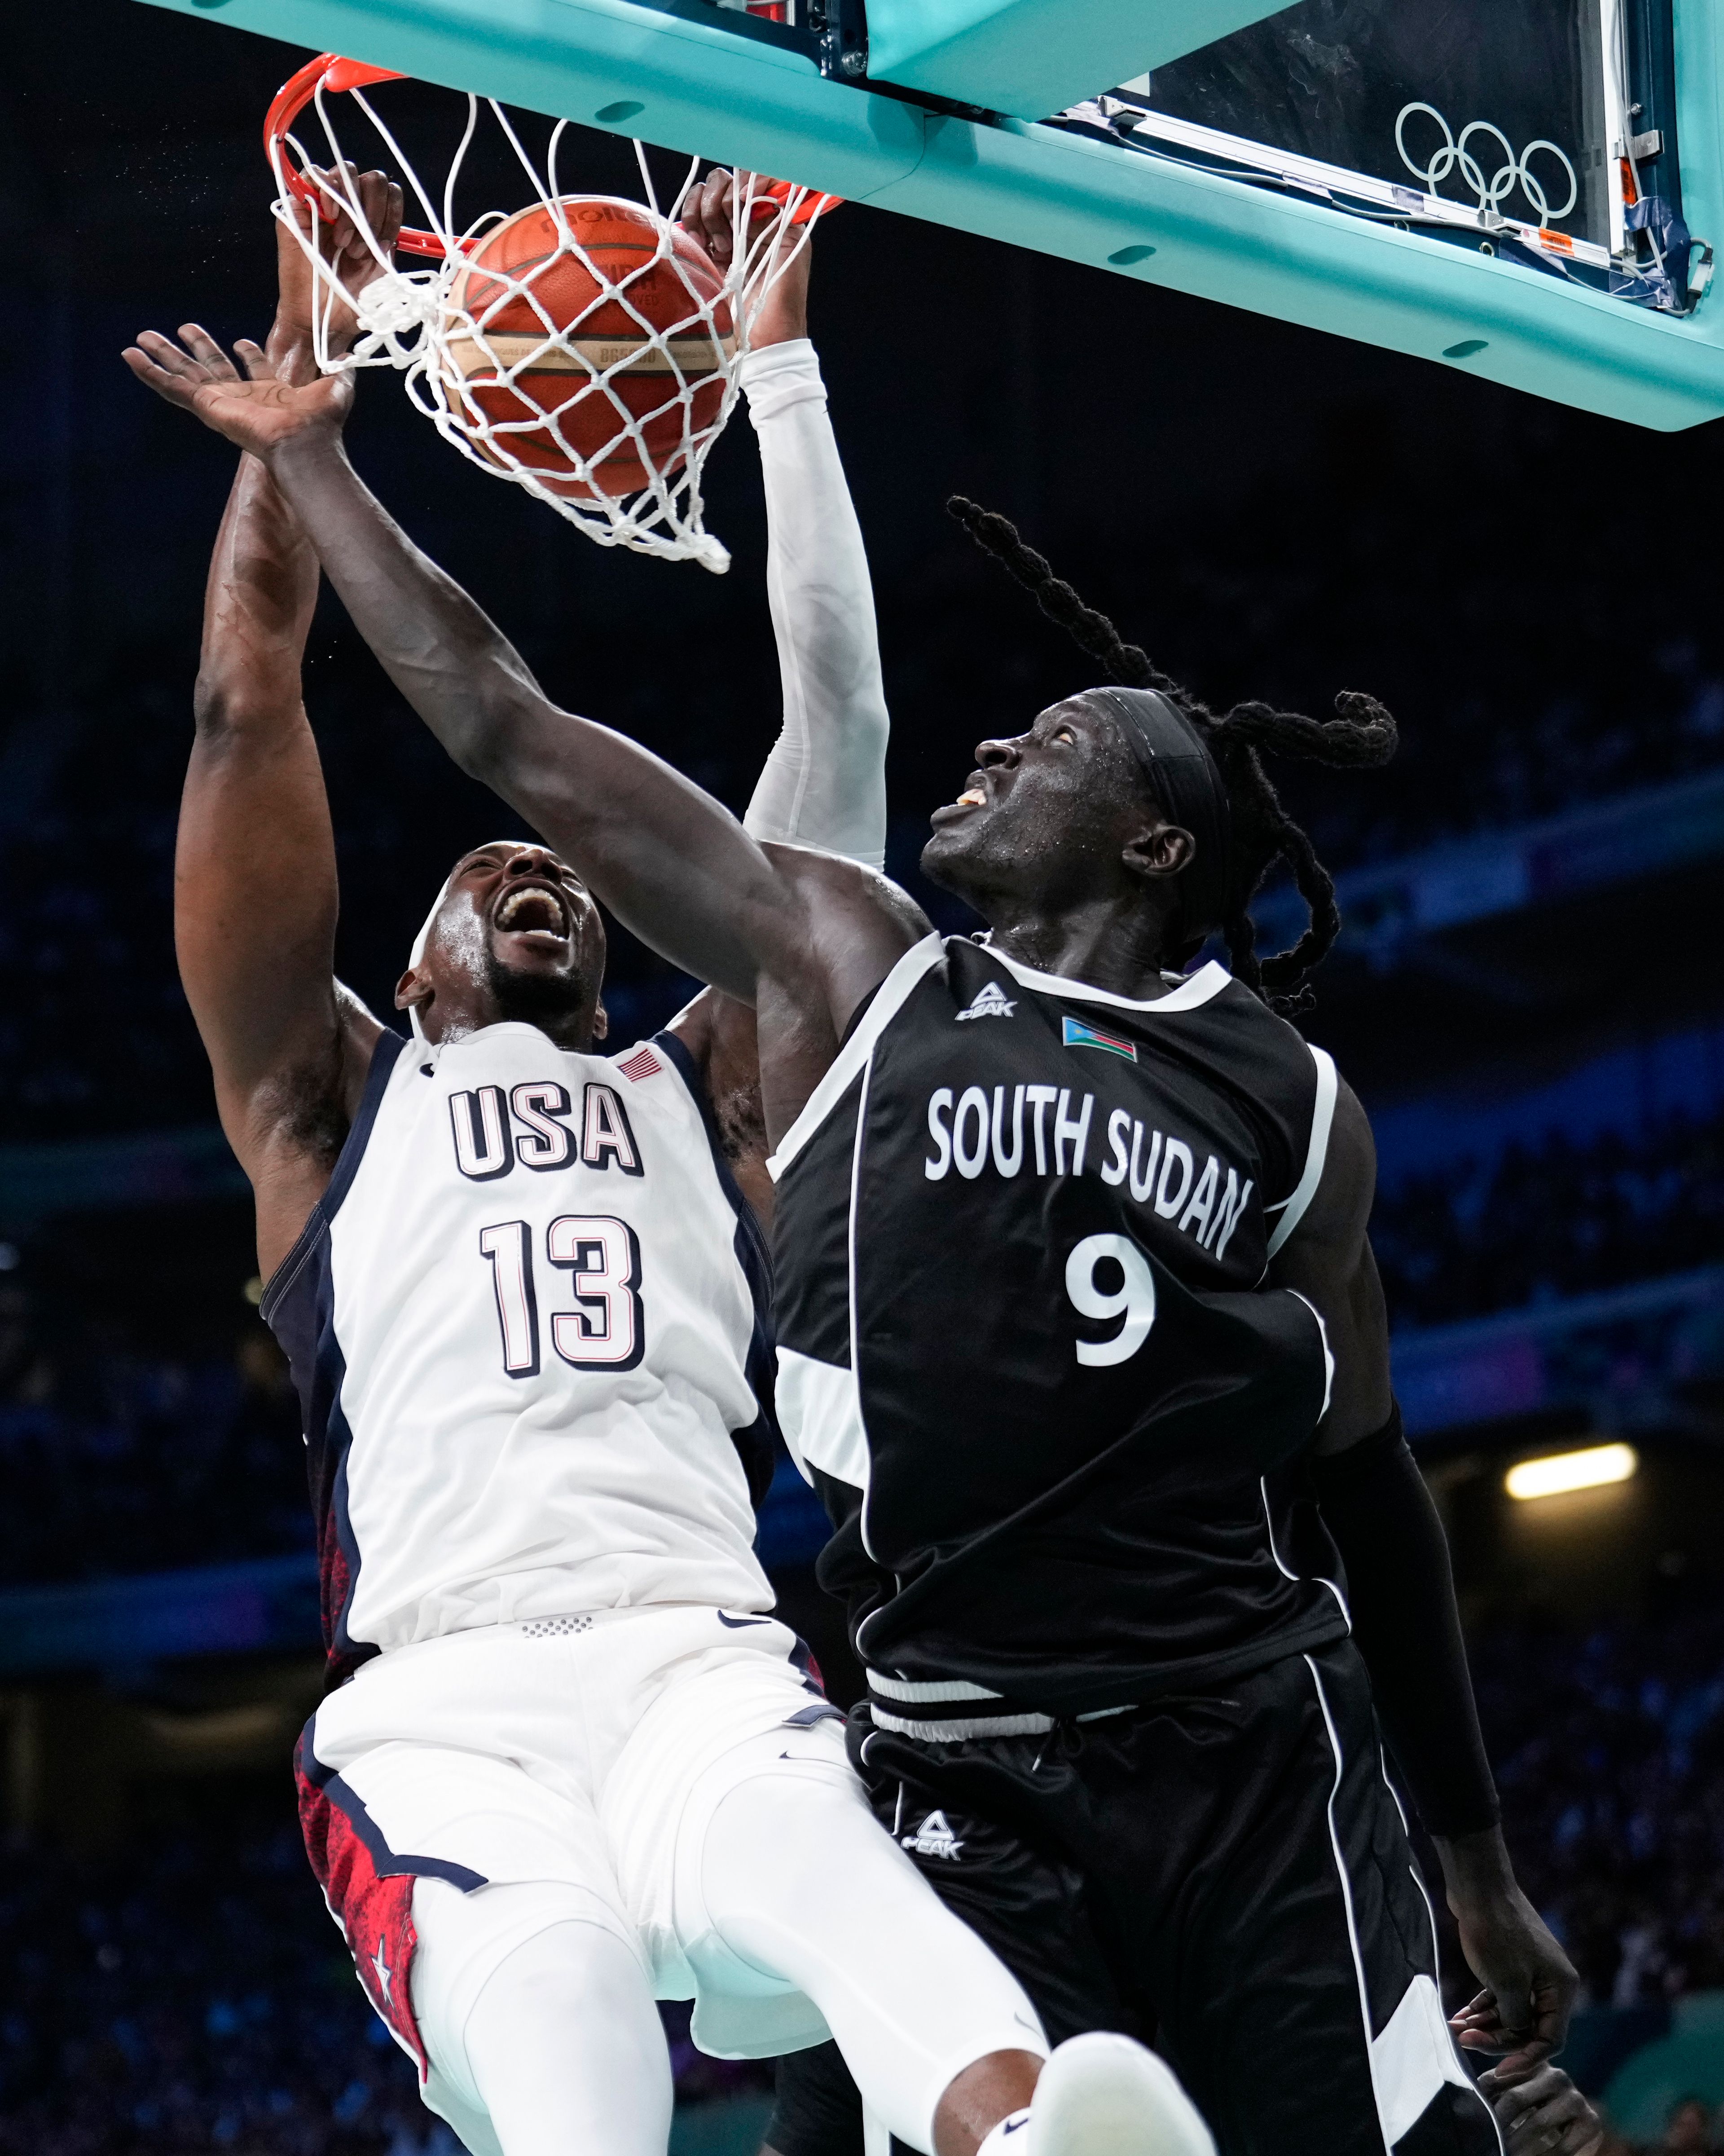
column 1032, row 57
column 694, row 83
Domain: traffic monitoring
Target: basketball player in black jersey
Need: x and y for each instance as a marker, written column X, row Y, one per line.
column 1082, row 1341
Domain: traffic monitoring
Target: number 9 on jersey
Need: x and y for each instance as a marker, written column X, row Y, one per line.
column 1134, row 1302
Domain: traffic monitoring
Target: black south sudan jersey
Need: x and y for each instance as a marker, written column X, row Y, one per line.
column 1026, row 1351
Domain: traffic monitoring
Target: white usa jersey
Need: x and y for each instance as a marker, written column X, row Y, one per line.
column 528, row 1325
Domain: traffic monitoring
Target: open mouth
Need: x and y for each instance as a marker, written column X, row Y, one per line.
column 951, row 812
column 532, row 909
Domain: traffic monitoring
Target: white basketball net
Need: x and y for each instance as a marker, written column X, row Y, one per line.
column 418, row 321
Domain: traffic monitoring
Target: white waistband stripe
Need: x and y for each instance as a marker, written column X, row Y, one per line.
column 955, row 1732
column 935, row 1732
column 909, row 1690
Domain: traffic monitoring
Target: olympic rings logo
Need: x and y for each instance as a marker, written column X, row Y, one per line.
column 1508, row 176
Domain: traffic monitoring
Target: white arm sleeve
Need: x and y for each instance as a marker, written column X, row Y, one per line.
column 824, row 783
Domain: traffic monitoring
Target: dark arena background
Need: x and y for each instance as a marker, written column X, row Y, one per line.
column 1528, row 996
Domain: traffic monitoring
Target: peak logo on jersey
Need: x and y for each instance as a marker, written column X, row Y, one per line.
column 1076, row 1034
column 934, row 1837
column 994, row 1002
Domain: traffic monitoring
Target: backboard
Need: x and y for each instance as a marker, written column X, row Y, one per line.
column 1506, row 190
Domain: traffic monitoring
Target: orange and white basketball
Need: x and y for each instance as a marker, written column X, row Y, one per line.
column 560, row 308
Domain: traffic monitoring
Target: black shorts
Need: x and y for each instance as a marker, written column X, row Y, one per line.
column 1226, row 1877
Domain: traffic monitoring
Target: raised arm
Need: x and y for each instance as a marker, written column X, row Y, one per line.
column 254, row 872
column 823, row 783
column 1379, row 1511
column 255, row 883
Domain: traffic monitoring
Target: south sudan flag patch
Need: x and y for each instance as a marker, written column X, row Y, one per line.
column 1076, row 1034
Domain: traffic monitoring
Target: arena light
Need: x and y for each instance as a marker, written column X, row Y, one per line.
column 1560, row 1471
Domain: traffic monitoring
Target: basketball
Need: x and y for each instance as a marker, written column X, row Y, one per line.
column 552, row 346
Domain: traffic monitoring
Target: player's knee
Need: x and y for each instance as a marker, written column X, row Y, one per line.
column 515, row 1964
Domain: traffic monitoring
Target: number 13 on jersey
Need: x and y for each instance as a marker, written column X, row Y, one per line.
column 605, row 1330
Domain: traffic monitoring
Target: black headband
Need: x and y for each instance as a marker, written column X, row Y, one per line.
column 1187, row 781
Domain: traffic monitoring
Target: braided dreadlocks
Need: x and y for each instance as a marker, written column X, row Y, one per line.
column 1263, row 832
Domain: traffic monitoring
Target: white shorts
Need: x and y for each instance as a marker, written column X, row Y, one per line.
column 565, row 1751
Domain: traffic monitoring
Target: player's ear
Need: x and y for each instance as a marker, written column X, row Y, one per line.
column 1160, row 850
column 412, row 991
column 601, row 1023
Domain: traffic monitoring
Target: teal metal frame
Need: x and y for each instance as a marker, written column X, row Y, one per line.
column 1030, row 58
column 685, row 75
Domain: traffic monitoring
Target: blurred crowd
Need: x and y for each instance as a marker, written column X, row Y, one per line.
column 113, row 1460
column 1609, row 1756
column 189, row 1993
column 1554, row 1219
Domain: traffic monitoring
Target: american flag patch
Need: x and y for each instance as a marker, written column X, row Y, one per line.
column 643, row 1064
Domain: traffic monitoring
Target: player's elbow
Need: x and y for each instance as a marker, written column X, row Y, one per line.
column 211, row 701
column 496, row 734
column 224, row 705
column 483, row 745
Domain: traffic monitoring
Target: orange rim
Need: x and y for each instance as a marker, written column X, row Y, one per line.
column 329, row 71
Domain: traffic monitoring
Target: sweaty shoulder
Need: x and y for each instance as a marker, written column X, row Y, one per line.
column 859, row 924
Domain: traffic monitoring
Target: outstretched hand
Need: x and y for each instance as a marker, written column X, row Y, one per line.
column 256, row 410
column 709, row 216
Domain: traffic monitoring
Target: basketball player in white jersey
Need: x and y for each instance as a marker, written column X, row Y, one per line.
column 569, row 1762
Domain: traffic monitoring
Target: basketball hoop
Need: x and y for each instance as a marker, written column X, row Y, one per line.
column 583, row 347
